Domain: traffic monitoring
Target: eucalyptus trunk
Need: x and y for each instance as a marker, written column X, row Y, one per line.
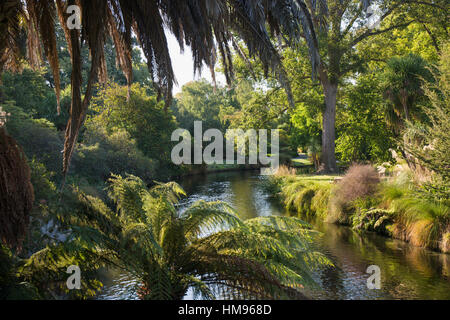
column 329, row 128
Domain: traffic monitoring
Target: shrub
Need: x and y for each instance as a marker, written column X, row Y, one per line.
column 285, row 171
column 419, row 220
column 101, row 154
column 360, row 183
column 320, row 201
column 433, row 136
column 38, row 137
column 41, row 179
column 16, row 192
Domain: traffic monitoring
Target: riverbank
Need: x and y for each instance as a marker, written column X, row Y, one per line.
column 408, row 272
column 215, row 168
column 391, row 209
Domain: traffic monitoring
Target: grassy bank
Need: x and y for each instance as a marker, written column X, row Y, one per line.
column 392, row 207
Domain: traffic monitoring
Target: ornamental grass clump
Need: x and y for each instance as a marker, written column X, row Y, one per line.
column 306, row 197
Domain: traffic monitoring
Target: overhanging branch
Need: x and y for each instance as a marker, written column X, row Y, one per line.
column 369, row 34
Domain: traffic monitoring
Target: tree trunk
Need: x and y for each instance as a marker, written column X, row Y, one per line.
column 16, row 192
column 329, row 128
column 404, row 101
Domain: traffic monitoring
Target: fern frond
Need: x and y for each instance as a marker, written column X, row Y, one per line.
column 205, row 217
column 127, row 194
column 171, row 191
column 199, row 288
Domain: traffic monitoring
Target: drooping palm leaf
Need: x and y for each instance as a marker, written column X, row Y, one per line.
column 204, row 25
column 43, row 14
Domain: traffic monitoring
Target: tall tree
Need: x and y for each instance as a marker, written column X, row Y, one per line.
column 203, row 25
column 334, row 30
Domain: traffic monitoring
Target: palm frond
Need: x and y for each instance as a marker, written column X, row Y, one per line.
column 43, row 14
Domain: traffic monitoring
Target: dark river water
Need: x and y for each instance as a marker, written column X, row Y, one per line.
column 407, row 272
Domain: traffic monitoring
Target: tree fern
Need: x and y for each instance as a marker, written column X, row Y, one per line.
column 207, row 247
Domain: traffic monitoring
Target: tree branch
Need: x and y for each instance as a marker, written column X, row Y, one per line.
column 426, row 4
column 347, row 30
column 369, row 34
column 432, row 36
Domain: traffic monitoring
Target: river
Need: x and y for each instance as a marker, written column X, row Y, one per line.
column 407, row 272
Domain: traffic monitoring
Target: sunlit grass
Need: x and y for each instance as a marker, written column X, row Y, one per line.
column 301, row 162
column 421, row 222
column 319, row 177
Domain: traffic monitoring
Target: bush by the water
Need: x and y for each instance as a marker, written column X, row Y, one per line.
column 359, row 183
column 101, row 154
column 38, row 137
column 394, row 207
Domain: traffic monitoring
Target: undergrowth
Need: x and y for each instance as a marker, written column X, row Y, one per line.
column 393, row 207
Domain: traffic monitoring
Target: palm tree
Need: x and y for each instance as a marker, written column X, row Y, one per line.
column 429, row 141
column 207, row 26
column 402, row 86
column 206, row 248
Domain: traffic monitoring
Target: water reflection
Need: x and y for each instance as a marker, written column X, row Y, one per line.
column 243, row 190
column 407, row 272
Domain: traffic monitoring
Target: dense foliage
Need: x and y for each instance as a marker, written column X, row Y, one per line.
column 344, row 94
column 205, row 247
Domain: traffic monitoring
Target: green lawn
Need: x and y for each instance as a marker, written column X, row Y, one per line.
column 302, row 162
column 317, row 178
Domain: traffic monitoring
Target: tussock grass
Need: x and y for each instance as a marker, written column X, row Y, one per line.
column 306, row 196
column 285, row 171
column 393, row 207
column 423, row 222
